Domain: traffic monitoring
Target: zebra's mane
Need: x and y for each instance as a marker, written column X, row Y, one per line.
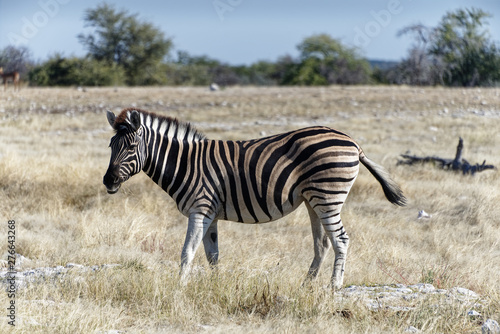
column 176, row 128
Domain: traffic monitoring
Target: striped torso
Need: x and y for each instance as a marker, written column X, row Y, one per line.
column 251, row 181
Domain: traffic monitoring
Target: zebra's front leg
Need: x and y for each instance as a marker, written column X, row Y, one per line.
column 211, row 244
column 198, row 225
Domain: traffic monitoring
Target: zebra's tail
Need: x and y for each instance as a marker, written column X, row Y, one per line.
column 391, row 189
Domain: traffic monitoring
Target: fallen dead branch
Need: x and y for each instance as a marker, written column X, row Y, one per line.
column 456, row 164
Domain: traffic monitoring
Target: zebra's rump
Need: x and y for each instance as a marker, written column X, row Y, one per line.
column 264, row 179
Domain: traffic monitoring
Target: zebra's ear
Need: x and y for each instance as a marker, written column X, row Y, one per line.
column 111, row 118
column 135, row 120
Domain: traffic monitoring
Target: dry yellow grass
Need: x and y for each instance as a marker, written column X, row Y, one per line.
column 55, row 151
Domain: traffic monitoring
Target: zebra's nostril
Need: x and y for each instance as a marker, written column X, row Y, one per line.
column 110, row 179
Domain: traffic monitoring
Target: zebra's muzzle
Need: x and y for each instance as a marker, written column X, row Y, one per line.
column 113, row 190
column 111, row 183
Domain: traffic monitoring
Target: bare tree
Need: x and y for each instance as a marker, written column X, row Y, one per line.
column 16, row 59
column 419, row 68
column 457, row 52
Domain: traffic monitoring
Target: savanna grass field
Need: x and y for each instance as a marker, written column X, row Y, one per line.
column 54, row 153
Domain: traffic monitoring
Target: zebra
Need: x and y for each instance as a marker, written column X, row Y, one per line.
column 251, row 181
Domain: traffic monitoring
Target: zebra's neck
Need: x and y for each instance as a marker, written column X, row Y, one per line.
column 166, row 140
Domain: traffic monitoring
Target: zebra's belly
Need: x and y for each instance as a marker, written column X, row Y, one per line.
column 255, row 215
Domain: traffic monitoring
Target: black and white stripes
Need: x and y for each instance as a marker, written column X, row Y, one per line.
column 250, row 181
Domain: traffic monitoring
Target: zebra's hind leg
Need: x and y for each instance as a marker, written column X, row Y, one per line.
column 340, row 241
column 211, row 244
column 329, row 215
column 321, row 243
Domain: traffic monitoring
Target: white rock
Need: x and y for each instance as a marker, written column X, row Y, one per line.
column 372, row 305
column 412, row 329
column 490, row 326
column 411, row 296
column 214, row 87
column 206, row 327
column 423, row 287
column 465, row 292
column 423, row 215
column 473, row 313
column 22, row 261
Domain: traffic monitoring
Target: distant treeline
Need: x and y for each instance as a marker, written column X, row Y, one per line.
column 125, row 51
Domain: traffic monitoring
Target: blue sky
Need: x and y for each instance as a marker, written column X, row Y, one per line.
column 237, row 31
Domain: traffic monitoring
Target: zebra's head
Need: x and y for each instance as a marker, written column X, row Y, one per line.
column 128, row 149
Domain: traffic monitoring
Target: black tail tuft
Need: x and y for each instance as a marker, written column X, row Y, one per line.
column 391, row 189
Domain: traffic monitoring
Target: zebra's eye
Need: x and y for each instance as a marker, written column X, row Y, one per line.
column 132, row 147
